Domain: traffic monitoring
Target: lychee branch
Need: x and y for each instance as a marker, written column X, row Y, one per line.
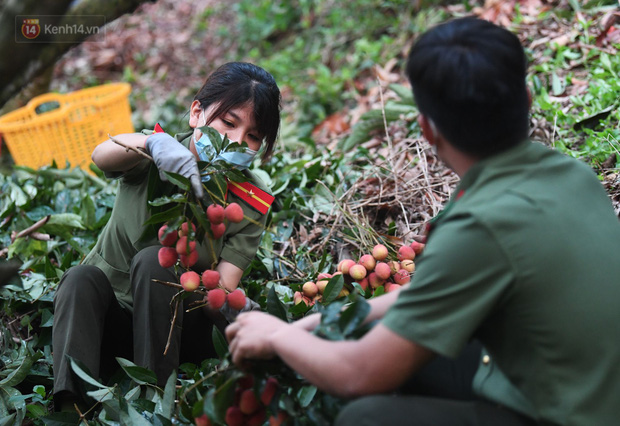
column 130, row 148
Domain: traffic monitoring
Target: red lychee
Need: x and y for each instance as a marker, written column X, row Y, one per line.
column 271, row 386
column 401, row 277
column 210, row 279
column 216, row 298
column 236, row 299
column 383, row 270
column 215, row 214
column 189, row 260
column 357, row 272
column 184, row 231
column 202, row 421
column 417, row 247
column 374, row 280
column 185, row 246
column 234, row 213
column 234, row 416
column 406, row 252
column 218, row 230
column 408, row 265
column 190, row 280
column 248, row 403
column 368, row 262
column 167, row 256
column 345, row 265
column 169, row 239
column 380, row 252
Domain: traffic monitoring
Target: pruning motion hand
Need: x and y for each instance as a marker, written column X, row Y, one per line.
column 231, row 314
column 171, row 156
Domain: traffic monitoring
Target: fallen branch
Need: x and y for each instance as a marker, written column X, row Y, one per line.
column 31, row 230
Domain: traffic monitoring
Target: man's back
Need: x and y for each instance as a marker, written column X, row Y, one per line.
column 531, row 245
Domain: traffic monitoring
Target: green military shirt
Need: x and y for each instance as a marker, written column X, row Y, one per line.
column 122, row 238
column 525, row 258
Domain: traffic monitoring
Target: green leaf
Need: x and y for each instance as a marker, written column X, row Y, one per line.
column 133, row 418
column 557, row 85
column 214, row 137
column 20, row 373
column 354, row 315
column 87, row 211
column 174, row 198
column 275, row 306
column 178, row 180
column 333, row 288
column 305, row 395
column 66, row 219
column 101, row 394
column 80, row 370
column 167, row 402
column 140, row 375
column 165, row 216
column 219, row 342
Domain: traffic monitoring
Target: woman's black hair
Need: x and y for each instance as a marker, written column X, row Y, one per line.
column 241, row 83
column 468, row 77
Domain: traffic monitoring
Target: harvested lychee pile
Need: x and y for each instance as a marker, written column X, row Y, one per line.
column 370, row 273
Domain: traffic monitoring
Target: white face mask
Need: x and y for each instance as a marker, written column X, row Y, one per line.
column 204, row 147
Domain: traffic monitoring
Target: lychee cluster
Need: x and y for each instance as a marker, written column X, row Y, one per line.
column 178, row 245
column 371, row 271
column 216, row 215
column 217, row 295
column 249, row 408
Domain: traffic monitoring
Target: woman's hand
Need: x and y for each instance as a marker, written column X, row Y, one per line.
column 251, row 336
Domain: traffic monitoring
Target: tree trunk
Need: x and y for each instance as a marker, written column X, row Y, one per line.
column 29, row 60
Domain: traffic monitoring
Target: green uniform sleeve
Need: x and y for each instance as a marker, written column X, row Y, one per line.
column 459, row 280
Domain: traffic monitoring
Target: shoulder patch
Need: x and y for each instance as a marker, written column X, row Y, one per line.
column 252, row 195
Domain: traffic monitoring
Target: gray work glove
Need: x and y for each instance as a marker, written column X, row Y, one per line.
column 170, row 155
column 231, row 314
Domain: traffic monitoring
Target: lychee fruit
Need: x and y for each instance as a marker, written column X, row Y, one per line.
column 380, row 252
column 297, row 297
column 234, row 213
column 271, row 386
column 363, row 283
column 167, row 256
column 357, row 272
column 202, row 421
column 258, row 418
column 417, row 247
column 169, row 239
column 185, row 246
column 401, row 277
column 345, row 265
column 190, row 280
column 374, row 280
column 321, row 285
column 215, row 214
column 248, row 403
column 218, row 230
column 216, row 298
column 368, row 262
column 310, row 289
column 236, row 299
column 406, row 252
column 189, row 260
column 408, row 265
column 383, row 270
column 184, row 231
column 234, row 416
column 210, row 279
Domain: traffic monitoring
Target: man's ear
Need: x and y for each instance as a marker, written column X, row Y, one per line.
column 428, row 130
column 194, row 114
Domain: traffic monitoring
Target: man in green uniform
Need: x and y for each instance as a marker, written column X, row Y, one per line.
column 523, row 258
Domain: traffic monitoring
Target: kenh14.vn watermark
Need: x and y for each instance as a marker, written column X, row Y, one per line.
column 58, row 28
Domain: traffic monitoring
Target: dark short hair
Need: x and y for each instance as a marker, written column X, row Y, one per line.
column 468, row 77
column 240, row 83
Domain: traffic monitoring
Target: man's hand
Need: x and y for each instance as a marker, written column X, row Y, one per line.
column 250, row 336
column 231, row 314
column 171, row 156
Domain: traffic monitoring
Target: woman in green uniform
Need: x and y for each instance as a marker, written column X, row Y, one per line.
column 108, row 306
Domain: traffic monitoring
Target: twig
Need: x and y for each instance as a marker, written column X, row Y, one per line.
column 31, row 229
column 172, row 324
column 177, row 286
column 131, row 148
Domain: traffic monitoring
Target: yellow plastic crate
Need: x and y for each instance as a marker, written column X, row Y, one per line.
column 70, row 129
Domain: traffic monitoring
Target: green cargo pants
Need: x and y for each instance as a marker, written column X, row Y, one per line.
column 91, row 326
